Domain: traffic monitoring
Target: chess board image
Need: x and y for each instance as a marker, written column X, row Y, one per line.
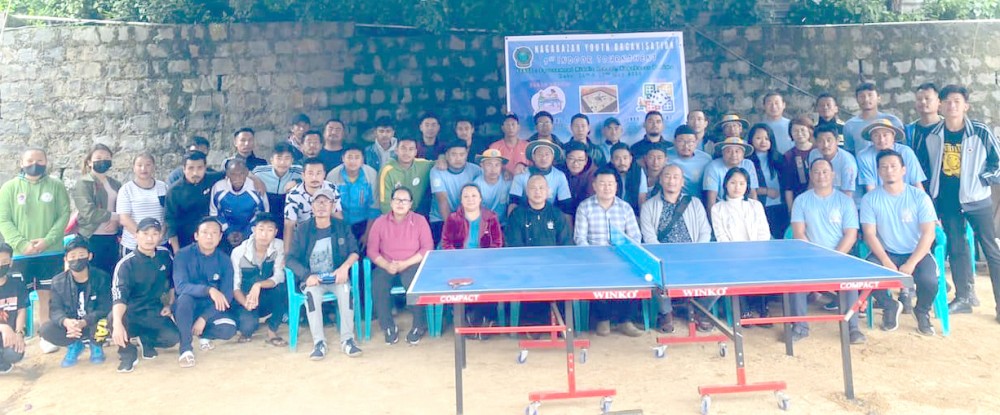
column 599, row 99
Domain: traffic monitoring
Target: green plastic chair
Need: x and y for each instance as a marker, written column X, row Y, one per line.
column 435, row 312
column 296, row 300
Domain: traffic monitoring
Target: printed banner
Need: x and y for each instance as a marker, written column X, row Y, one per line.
column 621, row 75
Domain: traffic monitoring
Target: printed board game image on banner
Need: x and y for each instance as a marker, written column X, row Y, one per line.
column 621, row 75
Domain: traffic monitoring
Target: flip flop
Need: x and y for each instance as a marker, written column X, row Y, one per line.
column 277, row 342
column 244, row 339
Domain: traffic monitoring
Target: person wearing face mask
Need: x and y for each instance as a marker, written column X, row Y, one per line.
column 95, row 197
column 80, row 303
column 13, row 317
column 34, row 211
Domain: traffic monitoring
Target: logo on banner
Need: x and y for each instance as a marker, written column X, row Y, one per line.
column 523, row 57
column 551, row 99
column 656, row 97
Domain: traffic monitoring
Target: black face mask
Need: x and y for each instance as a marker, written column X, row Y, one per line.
column 34, row 170
column 78, row 265
column 3, row 270
column 102, row 166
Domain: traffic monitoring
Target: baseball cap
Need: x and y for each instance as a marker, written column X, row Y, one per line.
column 149, row 223
column 324, row 192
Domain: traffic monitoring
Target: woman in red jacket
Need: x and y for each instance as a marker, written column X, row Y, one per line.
column 473, row 226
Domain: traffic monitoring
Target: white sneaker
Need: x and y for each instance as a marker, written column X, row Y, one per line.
column 47, row 347
column 205, row 344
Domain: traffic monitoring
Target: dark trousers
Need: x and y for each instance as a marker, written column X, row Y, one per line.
column 218, row 324
column 105, row 249
column 981, row 222
column 436, row 228
column 618, row 310
column 382, row 285
column 152, row 329
column 924, row 277
column 273, row 302
column 777, row 220
column 8, row 356
column 55, row 333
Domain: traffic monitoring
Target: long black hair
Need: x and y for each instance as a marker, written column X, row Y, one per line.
column 729, row 175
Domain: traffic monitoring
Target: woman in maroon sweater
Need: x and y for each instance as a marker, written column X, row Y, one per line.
column 473, row 226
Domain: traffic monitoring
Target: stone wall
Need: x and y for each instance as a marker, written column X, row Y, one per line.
column 141, row 88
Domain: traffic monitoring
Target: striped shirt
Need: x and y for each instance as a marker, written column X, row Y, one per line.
column 594, row 223
column 298, row 202
column 139, row 203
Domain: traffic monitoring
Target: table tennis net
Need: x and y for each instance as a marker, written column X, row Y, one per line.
column 641, row 258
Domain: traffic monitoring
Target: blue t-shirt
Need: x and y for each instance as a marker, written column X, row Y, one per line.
column 451, row 184
column 825, row 218
column 853, row 141
column 898, row 218
column 781, row 136
column 845, row 169
column 693, row 168
column 716, row 171
column 868, row 170
column 472, row 241
column 558, row 185
column 496, row 196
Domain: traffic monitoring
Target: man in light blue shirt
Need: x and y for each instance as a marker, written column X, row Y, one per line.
column 898, row 224
column 868, row 100
column 691, row 160
column 446, row 185
column 882, row 135
column 845, row 167
column 774, row 110
column 494, row 187
column 543, row 154
column 733, row 150
column 827, row 218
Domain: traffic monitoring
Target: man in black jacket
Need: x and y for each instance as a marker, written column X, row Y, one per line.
column 323, row 249
column 80, row 302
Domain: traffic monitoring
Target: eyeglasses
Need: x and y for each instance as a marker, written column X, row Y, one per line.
column 403, row 201
column 576, row 160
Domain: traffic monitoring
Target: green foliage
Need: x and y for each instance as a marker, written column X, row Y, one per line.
column 511, row 16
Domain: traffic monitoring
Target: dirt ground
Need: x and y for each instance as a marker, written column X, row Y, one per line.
column 894, row 373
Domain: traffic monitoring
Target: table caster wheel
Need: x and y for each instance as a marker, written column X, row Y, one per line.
column 606, row 404
column 660, row 351
column 583, row 356
column 522, row 357
column 723, row 349
column 532, row 408
column 706, row 404
column 783, row 401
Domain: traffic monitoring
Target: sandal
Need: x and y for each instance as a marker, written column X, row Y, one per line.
column 277, row 342
column 244, row 339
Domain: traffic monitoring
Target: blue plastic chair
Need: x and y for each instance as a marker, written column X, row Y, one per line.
column 296, row 300
column 435, row 312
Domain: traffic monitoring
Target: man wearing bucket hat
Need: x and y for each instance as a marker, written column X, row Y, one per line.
column 494, row 188
column 730, row 125
column 883, row 135
column 544, row 154
column 733, row 151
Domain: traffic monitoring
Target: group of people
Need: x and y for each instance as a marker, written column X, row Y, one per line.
column 204, row 254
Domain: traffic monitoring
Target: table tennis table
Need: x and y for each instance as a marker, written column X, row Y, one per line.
column 626, row 271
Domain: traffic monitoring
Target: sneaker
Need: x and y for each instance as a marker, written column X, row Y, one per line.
column 857, row 337
column 96, row 354
column 603, row 328
column 47, row 347
column 414, row 336
column 765, row 314
column 351, row 349
column 924, row 325
column 796, row 335
column 831, row 306
column 72, row 354
column 319, row 351
column 890, row 315
column 148, row 352
column 5, row 368
column 629, row 329
column 205, row 344
column 974, row 300
column 907, row 301
column 665, row 323
column 960, row 306
column 746, row 314
column 392, row 335
column 704, row 325
column 186, row 360
column 127, row 366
